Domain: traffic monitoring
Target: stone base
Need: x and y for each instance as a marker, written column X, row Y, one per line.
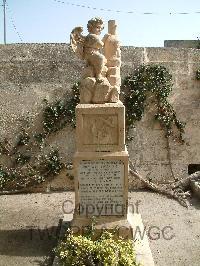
column 119, row 226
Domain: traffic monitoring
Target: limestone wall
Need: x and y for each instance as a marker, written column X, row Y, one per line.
column 182, row 43
column 31, row 72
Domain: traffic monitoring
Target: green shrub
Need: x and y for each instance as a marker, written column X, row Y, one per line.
column 104, row 251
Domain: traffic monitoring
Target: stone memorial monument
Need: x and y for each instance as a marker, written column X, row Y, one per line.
column 101, row 158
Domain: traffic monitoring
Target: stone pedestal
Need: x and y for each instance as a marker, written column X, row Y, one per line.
column 101, row 167
column 100, row 127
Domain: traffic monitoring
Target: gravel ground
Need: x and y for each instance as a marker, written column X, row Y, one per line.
column 29, row 228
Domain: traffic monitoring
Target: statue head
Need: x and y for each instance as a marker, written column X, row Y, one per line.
column 95, row 26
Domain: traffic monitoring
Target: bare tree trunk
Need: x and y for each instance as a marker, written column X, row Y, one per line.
column 174, row 190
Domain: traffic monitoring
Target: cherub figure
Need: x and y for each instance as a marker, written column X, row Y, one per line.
column 100, row 79
column 90, row 47
column 77, row 41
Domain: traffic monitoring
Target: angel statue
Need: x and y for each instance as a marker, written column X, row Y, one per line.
column 100, row 80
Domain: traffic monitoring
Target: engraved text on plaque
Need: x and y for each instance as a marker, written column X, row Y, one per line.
column 101, row 184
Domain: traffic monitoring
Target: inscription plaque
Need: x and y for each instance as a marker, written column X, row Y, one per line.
column 101, row 187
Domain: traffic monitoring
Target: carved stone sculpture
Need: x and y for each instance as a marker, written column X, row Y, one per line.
column 100, row 82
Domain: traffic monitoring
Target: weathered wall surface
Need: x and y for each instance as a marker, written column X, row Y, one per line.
column 182, row 43
column 31, row 72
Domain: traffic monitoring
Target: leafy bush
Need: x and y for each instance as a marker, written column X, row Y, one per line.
column 104, row 251
column 52, row 162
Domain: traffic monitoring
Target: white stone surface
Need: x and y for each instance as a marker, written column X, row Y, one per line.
column 101, row 186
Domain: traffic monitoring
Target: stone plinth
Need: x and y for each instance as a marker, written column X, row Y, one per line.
column 100, row 127
column 120, row 227
column 101, row 183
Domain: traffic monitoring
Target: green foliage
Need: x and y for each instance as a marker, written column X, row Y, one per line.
column 23, row 174
column 62, row 112
column 4, row 177
column 103, row 251
column 15, row 177
column 151, row 80
column 40, row 139
column 39, row 178
column 52, row 115
column 3, row 147
column 52, row 162
column 22, row 158
column 72, row 103
column 7, row 175
column 23, row 138
column 198, row 74
column 88, row 250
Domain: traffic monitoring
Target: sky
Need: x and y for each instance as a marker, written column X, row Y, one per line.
column 51, row 21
